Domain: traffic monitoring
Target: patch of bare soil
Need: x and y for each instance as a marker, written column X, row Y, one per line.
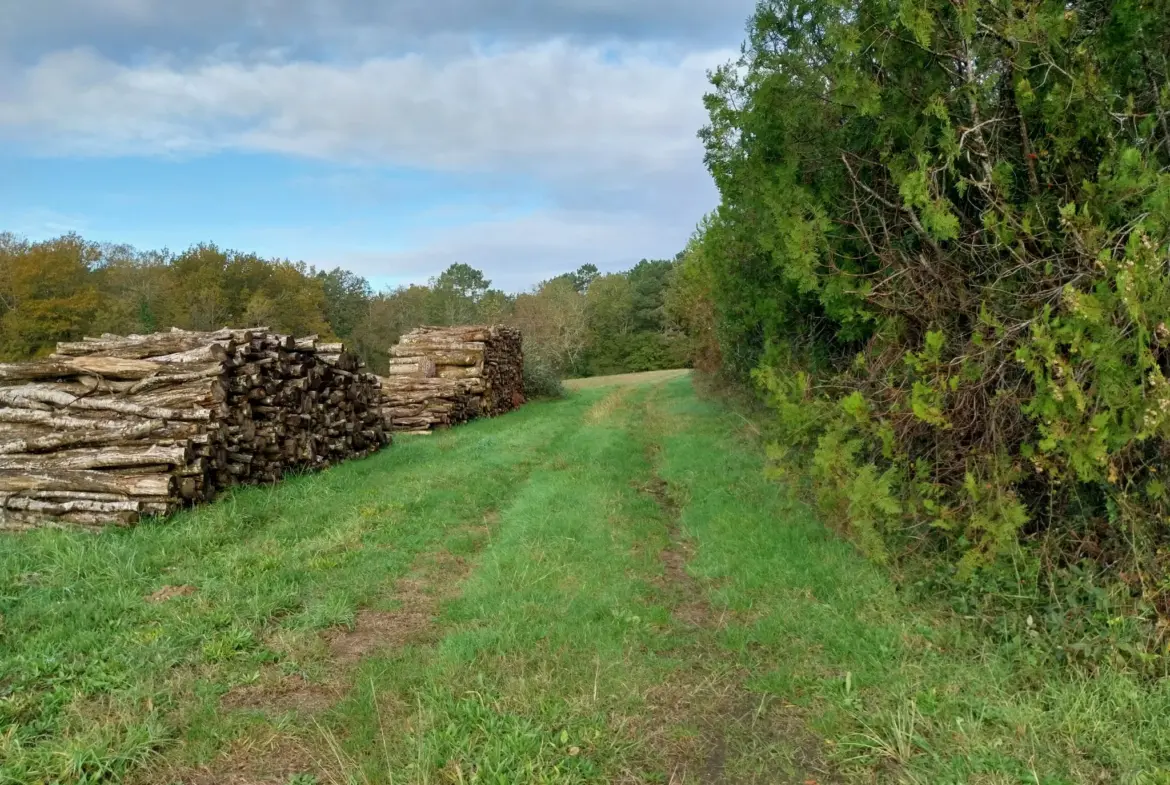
column 690, row 607
column 715, row 732
column 170, row 592
column 271, row 760
column 435, row 578
column 281, row 694
column 646, row 377
column 372, row 631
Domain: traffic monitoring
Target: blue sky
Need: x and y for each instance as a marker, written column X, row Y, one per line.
column 391, row 138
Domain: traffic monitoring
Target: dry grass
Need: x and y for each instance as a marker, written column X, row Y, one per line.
column 649, row 377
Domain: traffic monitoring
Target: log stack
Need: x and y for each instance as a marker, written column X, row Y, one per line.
column 108, row 430
column 442, row 376
column 416, row 404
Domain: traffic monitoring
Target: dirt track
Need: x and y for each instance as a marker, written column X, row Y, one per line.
column 649, row 377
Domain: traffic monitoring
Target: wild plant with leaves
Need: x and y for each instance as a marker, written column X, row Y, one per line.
column 942, row 249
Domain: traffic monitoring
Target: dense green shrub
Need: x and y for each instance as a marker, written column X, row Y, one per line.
column 942, row 251
column 541, row 379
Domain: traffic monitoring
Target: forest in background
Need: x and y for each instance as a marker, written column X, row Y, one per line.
column 580, row 323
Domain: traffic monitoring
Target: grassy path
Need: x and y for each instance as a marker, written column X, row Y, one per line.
column 602, row 589
column 639, row 379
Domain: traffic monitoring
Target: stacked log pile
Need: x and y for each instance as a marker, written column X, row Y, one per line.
column 442, row 376
column 108, row 430
column 417, row 404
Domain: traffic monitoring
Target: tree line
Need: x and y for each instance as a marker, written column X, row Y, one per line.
column 940, row 254
column 580, row 323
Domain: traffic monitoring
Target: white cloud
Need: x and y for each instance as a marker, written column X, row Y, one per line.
column 606, row 136
column 553, row 109
column 123, row 28
column 518, row 252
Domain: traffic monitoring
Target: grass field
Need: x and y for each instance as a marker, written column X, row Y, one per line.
column 600, row 589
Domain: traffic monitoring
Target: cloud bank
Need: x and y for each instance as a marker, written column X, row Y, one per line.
column 595, row 103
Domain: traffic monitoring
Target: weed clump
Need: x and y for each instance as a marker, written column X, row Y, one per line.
column 541, row 379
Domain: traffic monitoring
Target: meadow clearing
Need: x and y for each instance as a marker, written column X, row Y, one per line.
column 605, row 588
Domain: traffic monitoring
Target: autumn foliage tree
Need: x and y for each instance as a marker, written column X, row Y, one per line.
column 46, row 292
column 65, row 288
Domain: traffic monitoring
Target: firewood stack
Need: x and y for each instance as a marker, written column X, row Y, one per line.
column 417, row 404
column 441, row 376
column 111, row 429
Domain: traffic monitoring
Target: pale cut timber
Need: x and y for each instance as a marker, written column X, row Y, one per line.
column 404, row 370
column 95, row 438
column 56, row 369
column 452, row 357
column 413, row 383
column 490, row 357
column 15, row 481
column 59, row 431
column 153, row 382
column 107, row 368
column 68, row 496
column 23, row 396
column 212, row 353
column 107, row 458
column 138, row 348
column 201, row 392
column 49, row 418
column 456, row 372
column 176, row 406
column 425, row 348
column 470, row 333
column 57, row 508
column 21, row 521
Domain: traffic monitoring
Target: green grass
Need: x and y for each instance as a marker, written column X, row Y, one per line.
column 563, row 651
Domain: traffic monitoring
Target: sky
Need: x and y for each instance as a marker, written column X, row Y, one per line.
column 389, row 137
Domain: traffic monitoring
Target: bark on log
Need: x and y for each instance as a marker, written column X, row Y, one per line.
column 178, row 455
column 212, row 353
column 29, row 395
column 433, row 346
column 17, row 480
column 88, row 438
column 20, row 520
column 138, row 348
column 106, row 367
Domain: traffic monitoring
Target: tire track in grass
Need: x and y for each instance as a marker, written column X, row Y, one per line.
column 272, row 751
column 435, row 579
column 541, row 674
column 705, row 693
column 690, row 607
column 705, row 760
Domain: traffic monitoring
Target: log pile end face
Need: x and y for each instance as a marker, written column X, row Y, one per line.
column 441, row 376
column 111, row 429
